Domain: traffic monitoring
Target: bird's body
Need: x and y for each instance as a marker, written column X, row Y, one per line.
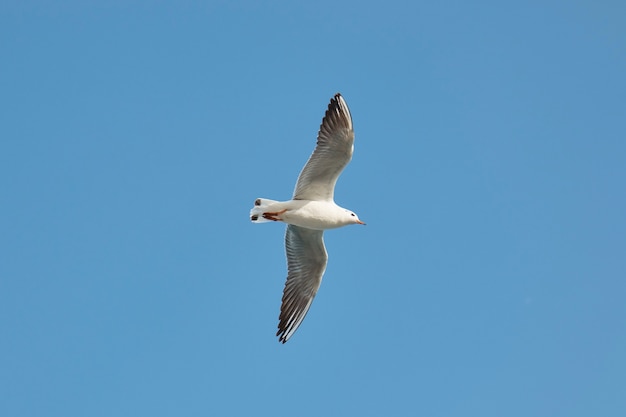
column 312, row 214
column 311, row 211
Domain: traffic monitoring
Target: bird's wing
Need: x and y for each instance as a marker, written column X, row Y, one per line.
column 335, row 144
column 306, row 263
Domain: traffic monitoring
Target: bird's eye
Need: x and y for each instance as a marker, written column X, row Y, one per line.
column 352, row 214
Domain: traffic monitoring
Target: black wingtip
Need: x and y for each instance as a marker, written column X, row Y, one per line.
column 281, row 336
column 338, row 113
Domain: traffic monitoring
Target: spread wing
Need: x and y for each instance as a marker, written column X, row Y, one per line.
column 335, row 144
column 306, row 263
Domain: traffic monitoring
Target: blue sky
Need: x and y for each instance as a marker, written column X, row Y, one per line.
column 490, row 167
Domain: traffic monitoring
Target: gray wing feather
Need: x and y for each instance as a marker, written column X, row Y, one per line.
column 335, row 144
column 306, row 263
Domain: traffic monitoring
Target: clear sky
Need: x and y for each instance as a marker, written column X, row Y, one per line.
column 489, row 165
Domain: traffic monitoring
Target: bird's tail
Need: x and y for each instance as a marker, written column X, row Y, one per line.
column 261, row 205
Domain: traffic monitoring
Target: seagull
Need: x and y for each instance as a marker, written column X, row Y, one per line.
column 311, row 210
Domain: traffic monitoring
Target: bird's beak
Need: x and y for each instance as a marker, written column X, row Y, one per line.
column 360, row 222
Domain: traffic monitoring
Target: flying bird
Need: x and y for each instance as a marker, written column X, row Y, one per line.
column 311, row 210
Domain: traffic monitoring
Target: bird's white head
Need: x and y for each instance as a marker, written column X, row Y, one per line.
column 351, row 217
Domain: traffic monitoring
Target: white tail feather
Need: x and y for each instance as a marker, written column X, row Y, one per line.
column 261, row 205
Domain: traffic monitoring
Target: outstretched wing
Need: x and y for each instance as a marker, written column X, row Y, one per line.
column 306, row 263
column 335, row 144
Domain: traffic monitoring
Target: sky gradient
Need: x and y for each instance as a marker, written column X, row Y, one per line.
column 489, row 166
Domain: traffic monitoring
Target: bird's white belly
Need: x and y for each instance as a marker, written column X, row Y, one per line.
column 319, row 215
